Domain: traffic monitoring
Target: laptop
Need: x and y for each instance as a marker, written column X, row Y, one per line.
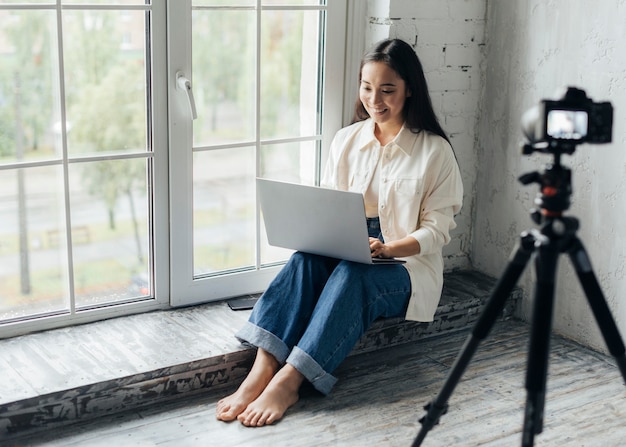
column 317, row 220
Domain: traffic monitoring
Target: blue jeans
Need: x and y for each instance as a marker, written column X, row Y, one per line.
column 317, row 308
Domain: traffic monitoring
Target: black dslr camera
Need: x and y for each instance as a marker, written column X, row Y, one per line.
column 561, row 125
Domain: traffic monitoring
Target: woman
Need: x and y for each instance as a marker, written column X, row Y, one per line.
column 316, row 309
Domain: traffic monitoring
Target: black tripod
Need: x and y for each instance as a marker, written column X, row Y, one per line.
column 557, row 235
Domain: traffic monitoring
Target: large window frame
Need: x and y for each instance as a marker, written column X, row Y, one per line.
column 155, row 159
column 166, row 34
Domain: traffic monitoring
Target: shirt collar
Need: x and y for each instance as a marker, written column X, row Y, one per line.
column 404, row 140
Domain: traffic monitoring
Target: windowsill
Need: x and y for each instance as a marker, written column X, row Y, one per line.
column 63, row 359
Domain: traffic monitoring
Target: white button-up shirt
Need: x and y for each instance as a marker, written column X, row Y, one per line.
column 420, row 191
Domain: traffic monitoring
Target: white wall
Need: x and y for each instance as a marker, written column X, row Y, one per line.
column 535, row 48
column 487, row 62
column 448, row 37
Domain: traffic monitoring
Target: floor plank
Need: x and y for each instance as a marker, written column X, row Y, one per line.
column 378, row 401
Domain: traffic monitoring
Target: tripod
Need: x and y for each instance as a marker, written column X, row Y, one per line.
column 557, row 235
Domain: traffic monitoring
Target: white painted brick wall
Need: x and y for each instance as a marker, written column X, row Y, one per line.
column 468, row 9
column 449, row 38
column 424, row 9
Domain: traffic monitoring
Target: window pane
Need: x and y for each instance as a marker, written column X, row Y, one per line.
column 110, row 216
column 289, row 73
column 105, row 81
column 29, row 88
column 223, row 76
column 33, row 253
column 290, row 162
column 270, row 254
column 224, row 210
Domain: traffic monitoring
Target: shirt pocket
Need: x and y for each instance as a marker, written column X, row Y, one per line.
column 405, row 198
column 359, row 181
column 407, row 188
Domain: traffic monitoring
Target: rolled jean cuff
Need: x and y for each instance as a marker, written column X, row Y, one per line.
column 311, row 370
column 259, row 337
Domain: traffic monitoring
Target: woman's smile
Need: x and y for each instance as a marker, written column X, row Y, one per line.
column 383, row 94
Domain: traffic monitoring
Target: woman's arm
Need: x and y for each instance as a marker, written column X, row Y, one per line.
column 407, row 246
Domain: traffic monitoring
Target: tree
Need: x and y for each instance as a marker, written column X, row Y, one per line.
column 112, row 117
column 108, row 113
column 29, row 36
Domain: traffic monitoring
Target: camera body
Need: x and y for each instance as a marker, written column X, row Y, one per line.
column 572, row 120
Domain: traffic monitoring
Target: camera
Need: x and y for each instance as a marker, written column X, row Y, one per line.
column 562, row 124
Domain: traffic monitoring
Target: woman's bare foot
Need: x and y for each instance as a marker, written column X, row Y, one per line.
column 262, row 372
column 280, row 394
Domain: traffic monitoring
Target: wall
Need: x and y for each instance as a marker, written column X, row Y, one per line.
column 448, row 37
column 534, row 49
column 487, row 62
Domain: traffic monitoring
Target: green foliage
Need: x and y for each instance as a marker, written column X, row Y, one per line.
column 7, row 132
column 225, row 65
column 91, row 50
column 281, row 55
column 108, row 114
column 26, row 75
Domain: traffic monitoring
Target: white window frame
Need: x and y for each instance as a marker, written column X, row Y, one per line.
column 185, row 289
column 346, row 47
column 158, row 185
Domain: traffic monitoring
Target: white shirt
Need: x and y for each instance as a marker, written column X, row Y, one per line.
column 420, row 191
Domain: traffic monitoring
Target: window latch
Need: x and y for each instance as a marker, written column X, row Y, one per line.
column 184, row 84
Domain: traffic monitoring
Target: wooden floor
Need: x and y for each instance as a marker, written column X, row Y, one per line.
column 379, row 397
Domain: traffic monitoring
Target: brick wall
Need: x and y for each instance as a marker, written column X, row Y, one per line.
column 449, row 38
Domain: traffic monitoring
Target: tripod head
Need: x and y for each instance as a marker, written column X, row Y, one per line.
column 555, row 189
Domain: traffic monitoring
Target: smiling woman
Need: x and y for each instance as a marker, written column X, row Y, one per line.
column 318, row 307
column 383, row 93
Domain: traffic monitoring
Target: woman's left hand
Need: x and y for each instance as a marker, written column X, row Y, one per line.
column 407, row 246
column 378, row 249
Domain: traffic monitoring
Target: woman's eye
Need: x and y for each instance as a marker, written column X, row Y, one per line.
column 385, row 92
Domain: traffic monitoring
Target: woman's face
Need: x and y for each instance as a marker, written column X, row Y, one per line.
column 383, row 93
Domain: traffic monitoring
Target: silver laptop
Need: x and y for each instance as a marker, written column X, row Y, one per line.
column 316, row 220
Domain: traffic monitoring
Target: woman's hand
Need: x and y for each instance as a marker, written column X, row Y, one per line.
column 378, row 249
column 398, row 249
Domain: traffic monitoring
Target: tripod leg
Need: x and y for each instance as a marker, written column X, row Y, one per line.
column 537, row 369
column 489, row 315
column 598, row 304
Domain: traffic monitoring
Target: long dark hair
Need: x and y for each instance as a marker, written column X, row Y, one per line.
column 418, row 110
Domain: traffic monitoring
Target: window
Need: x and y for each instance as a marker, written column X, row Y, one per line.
column 79, row 151
column 262, row 76
column 109, row 202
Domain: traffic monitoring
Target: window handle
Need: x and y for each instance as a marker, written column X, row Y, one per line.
column 185, row 84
